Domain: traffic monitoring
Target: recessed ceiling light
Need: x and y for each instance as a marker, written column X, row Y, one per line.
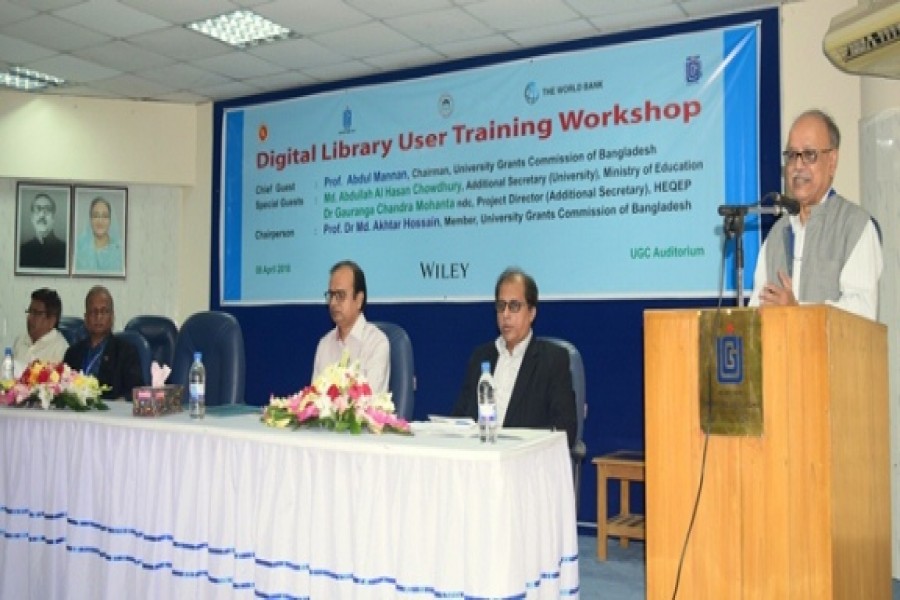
column 242, row 28
column 28, row 79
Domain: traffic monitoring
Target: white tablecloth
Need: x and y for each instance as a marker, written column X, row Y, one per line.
column 106, row 505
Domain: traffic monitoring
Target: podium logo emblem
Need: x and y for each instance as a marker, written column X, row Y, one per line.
column 730, row 359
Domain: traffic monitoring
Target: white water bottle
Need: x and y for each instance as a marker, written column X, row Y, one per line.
column 487, row 405
column 7, row 371
column 197, row 387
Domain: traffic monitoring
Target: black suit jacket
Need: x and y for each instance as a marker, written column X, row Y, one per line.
column 542, row 397
column 49, row 254
column 120, row 366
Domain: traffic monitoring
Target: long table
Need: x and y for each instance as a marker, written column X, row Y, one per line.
column 107, row 505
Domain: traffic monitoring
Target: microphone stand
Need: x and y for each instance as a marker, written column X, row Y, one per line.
column 733, row 227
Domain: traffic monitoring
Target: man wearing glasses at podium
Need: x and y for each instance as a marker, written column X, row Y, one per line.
column 532, row 377
column 831, row 252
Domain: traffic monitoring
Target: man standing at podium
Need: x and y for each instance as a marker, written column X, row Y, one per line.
column 831, row 252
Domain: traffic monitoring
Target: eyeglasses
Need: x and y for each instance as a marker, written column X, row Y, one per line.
column 47, row 209
column 35, row 312
column 514, row 306
column 337, row 295
column 808, row 156
column 99, row 312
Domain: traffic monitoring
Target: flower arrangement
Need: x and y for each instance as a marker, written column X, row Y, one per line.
column 339, row 399
column 53, row 385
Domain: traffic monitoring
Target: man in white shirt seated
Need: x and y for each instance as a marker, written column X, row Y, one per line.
column 346, row 297
column 43, row 341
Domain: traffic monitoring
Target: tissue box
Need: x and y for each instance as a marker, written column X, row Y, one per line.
column 156, row 401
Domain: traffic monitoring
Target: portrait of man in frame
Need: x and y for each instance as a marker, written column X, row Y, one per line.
column 42, row 228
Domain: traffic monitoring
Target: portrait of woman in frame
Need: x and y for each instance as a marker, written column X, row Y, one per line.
column 99, row 231
column 42, row 229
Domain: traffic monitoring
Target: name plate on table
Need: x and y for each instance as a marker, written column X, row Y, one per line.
column 156, row 401
column 731, row 372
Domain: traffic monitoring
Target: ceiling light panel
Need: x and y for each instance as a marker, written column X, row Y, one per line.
column 242, row 29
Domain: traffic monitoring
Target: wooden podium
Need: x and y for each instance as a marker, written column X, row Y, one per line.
column 802, row 511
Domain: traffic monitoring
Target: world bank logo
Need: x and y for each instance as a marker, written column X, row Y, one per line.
column 532, row 93
column 730, row 359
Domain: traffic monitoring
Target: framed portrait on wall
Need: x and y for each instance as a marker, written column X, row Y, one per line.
column 42, row 228
column 99, row 231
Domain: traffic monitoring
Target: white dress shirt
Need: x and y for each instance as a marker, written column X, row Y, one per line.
column 51, row 347
column 366, row 343
column 506, row 372
column 858, row 281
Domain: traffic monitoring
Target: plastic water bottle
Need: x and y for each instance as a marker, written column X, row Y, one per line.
column 197, row 387
column 487, row 405
column 7, row 371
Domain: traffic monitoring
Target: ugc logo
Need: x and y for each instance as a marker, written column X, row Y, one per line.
column 730, row 359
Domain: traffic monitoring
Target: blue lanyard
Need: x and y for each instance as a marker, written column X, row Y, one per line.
column 92, row 359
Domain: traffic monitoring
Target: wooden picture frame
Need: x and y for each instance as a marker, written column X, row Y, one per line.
column 43, row 212
column 99, row 231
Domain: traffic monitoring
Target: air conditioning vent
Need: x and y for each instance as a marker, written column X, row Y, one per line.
column 866, row 40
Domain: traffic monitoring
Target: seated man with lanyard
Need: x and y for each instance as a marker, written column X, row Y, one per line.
column 114, row 362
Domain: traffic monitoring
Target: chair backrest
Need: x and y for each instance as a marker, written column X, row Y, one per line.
column 402, row 384
column 218, row 336
column 143, row 349
column 160, row 333
column 72, row 329
column 576, row 366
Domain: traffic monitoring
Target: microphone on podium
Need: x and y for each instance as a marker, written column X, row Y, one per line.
column 781, row 204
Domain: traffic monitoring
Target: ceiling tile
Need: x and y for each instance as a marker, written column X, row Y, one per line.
column 309, row 17
column 182, row 11
column 112, row 18
column 386, row 9
column 140, row 49
column 46, row 5
column 446, row 25
column 509, row 15
column 569, row 31
column 72, row 68
column 132, row 86
column 181, row 43
column 20, row 52
column 53, row 32
column 183, row 77
column 124, row 56
column 238, row 65
column 298, row 54
column 10, row 13
column 365, row 40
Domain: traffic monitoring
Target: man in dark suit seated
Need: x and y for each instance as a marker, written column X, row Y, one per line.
column 112, row 361
column 532, row 377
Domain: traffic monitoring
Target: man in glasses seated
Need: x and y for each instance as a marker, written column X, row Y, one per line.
column 532, row 377
column 346, row 298
column 829, row 253
column 114, row 362
column 43, row 341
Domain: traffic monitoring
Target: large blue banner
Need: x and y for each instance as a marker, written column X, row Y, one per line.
column 598, row 171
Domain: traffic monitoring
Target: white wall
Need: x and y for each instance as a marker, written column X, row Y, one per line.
column 161, row 152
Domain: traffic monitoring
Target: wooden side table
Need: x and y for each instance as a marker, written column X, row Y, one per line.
column 626, row 466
